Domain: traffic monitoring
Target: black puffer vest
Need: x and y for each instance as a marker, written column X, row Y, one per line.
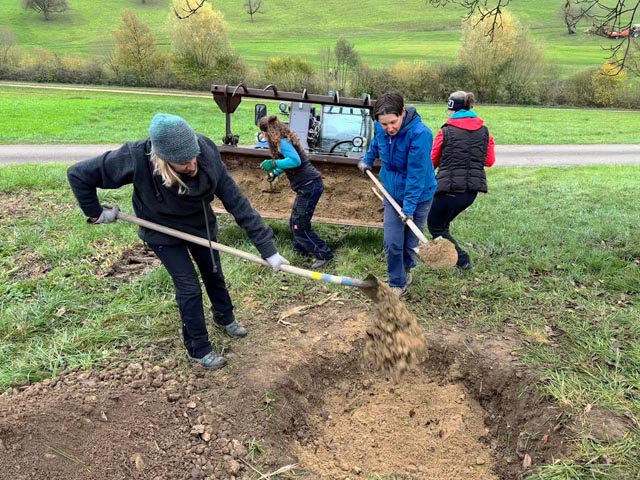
column 461, row 167
column 303, row 174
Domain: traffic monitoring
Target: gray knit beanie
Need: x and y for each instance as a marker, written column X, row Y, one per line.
column 172, row 139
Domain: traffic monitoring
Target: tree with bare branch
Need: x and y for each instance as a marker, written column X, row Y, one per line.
column 253, row 7
column 46, row 7
column 606, row 15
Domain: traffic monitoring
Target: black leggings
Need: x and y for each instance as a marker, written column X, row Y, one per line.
column 446, row 207
column 177, row 259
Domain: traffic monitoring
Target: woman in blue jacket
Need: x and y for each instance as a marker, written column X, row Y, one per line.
column 403, row 145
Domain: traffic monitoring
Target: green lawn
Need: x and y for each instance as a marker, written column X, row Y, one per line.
column 384, row 33
column 41, row 115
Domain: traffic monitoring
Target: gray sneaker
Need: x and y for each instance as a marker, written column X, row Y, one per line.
column 234, row 329
column 211, row 360
column 400, row 291
column 320, row 262
column 408, row 277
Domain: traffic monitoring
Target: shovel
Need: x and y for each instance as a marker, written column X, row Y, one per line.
column 444, row 256
column 370, row 284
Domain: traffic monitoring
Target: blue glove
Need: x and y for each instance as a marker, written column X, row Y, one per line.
column 108, row 215
column 268, row 165
column 276, row 261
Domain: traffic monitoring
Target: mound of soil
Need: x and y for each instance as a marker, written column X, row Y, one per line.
column 347, row 196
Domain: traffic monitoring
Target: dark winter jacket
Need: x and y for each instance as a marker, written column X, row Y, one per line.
column 407, row 173
column 152, row 201
column 461, row 150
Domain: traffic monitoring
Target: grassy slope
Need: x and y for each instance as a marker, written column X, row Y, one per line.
column 94, row 117
column 382, row 32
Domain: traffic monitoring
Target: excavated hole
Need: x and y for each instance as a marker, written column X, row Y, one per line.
column 466, row 412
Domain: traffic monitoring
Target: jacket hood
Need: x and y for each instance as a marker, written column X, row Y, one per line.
column 410, row 116
column 466, row 122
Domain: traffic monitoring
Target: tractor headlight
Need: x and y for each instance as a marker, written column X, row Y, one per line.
column 357, row 142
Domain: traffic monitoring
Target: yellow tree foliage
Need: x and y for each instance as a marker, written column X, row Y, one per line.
column 507, row 59
column 135, row 48
column 199, row 39
column 607, row 83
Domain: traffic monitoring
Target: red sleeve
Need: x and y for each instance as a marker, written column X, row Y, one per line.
column 436, row 150
column 491, row 152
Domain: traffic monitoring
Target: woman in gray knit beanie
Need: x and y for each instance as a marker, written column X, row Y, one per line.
column 176, row 173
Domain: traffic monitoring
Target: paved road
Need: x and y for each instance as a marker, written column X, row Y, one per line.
column 506, row 155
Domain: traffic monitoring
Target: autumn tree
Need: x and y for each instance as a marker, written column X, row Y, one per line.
column 616, row 15
column 201, row 48
column 46, row 7
column 135, row 51
column 507, row 66
column 7, row 42
column 339, row 65
column 253, row 7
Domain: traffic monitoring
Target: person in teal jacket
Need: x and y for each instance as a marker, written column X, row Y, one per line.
column 289, row 157
column 402, row 142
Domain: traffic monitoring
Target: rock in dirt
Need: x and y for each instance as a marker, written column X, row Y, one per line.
column 395, row 341
column 439, row 254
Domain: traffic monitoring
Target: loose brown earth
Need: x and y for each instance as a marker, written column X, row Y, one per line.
column 347, row 198
column 297, row 397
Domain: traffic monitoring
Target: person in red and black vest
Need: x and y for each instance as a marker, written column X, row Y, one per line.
column 461, row 150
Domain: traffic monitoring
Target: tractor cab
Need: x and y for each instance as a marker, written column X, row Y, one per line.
column 327, row 125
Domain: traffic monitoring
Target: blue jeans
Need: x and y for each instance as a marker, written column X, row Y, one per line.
column 305, row 240
column 177, row 259
column 400, row 243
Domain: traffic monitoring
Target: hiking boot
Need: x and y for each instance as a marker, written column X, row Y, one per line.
column 234, row 329
column 211, row 361
column 319, row 263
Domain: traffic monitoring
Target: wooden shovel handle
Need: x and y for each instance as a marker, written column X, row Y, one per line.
column 414, row 228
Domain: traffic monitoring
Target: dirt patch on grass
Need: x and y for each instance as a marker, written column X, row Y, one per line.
column 295, row 396
column 112, row 259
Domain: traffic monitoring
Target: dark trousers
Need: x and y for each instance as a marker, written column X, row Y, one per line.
column 177, row 259
column 305, row 239
column 446, row 207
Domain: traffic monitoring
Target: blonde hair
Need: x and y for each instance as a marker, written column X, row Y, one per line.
column 276, row 130
column 169, row 176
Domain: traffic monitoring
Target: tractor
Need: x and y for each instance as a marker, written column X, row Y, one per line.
column 327, row 125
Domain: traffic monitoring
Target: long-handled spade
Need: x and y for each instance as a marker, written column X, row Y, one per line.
column 439, row 253
column 394, row 339
column 370, row 283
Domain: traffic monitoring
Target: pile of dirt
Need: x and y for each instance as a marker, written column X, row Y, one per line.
column 439, row 254
column 347, row 195
column 395, row 342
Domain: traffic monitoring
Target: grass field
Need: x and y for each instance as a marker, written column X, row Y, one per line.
column 41, row 115
column 556, row 252
column 382, row 32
